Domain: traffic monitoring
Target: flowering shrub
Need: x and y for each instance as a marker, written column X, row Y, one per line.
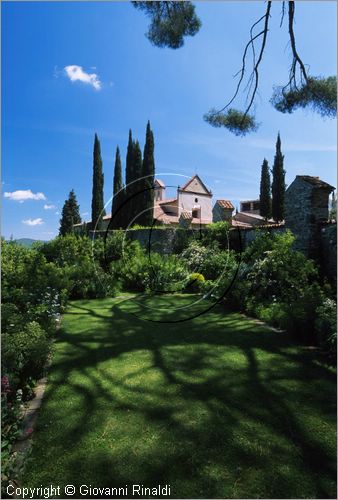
column 195, row 282
column 281, row 286
column 10, row 427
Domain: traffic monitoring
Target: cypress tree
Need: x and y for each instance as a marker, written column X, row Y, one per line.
column 265, row 191
column 148, row 174
column 278, row 184
column 137, row 192
column 118, row 184
column 98, row 181
column 127, row 208
column 70, row 215
column 117, row 221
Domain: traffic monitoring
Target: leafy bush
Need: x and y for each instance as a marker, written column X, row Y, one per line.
column 326, row 325
column 25, row 352
column 114, row 246
column 140, row 271
column 195, row 255
column 279, row 285
column 216, row 234
column 165, row 274
column 10, row 429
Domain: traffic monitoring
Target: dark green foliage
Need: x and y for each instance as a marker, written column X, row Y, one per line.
column 118, row 183
column 70, row 215
column 25, row 352
column 209, row 260
column 98, row 180
column 32, row 298
column 137, row 193
column 234, row 120
column 265, row 192
column 118, row 194
column 170, row 22
column 317, row 93
column 326, row 326
column 130, row 160
column 281, row 286
column 147, row 181
column 217, row 232
column 127, row 208
column 79, row 258
column 278, row 184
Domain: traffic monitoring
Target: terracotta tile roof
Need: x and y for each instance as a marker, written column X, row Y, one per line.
column 238, row 223
column 314, row 181
column 158, row 212
column 169, row 200
column 249, row 215
column 225, row 204
column 161, row 183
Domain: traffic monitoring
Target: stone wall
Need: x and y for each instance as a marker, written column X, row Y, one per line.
column 306, row 207
column 168, row 240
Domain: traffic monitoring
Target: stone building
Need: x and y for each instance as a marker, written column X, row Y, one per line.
column 222, row 210
column 250, row 206
column 192, row 205
column 306, row 208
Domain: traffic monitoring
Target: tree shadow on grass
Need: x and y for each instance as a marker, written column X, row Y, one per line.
column 217, row 408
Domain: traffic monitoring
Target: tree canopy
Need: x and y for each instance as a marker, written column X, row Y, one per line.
column 265, row 191
column 278, row 184
column 98, row 180
column 70, row 215
column 172, row 21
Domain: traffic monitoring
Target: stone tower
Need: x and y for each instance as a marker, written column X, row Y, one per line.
column 306, row 208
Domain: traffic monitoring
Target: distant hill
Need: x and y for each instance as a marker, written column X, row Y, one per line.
column 27, row 242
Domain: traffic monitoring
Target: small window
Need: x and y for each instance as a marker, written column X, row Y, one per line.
column 256, row 205
column 246, row 207
column 195, row 214
column 196, row 200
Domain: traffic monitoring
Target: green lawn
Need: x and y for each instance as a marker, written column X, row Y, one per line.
column 217, row 407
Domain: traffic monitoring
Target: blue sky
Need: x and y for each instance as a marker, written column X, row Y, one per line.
column 49, row 121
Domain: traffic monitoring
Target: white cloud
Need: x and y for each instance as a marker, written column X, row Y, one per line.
column 76, row 73
column 84, row 214
column 48, row 207
column 33, row 222
column 23, row 195
column 57, row 213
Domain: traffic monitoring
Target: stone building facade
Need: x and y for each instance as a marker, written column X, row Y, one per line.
column 192, row 205
column 222, row 210
column 306, row 208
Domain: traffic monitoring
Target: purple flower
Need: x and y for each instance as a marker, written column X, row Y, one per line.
column 5, row 387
